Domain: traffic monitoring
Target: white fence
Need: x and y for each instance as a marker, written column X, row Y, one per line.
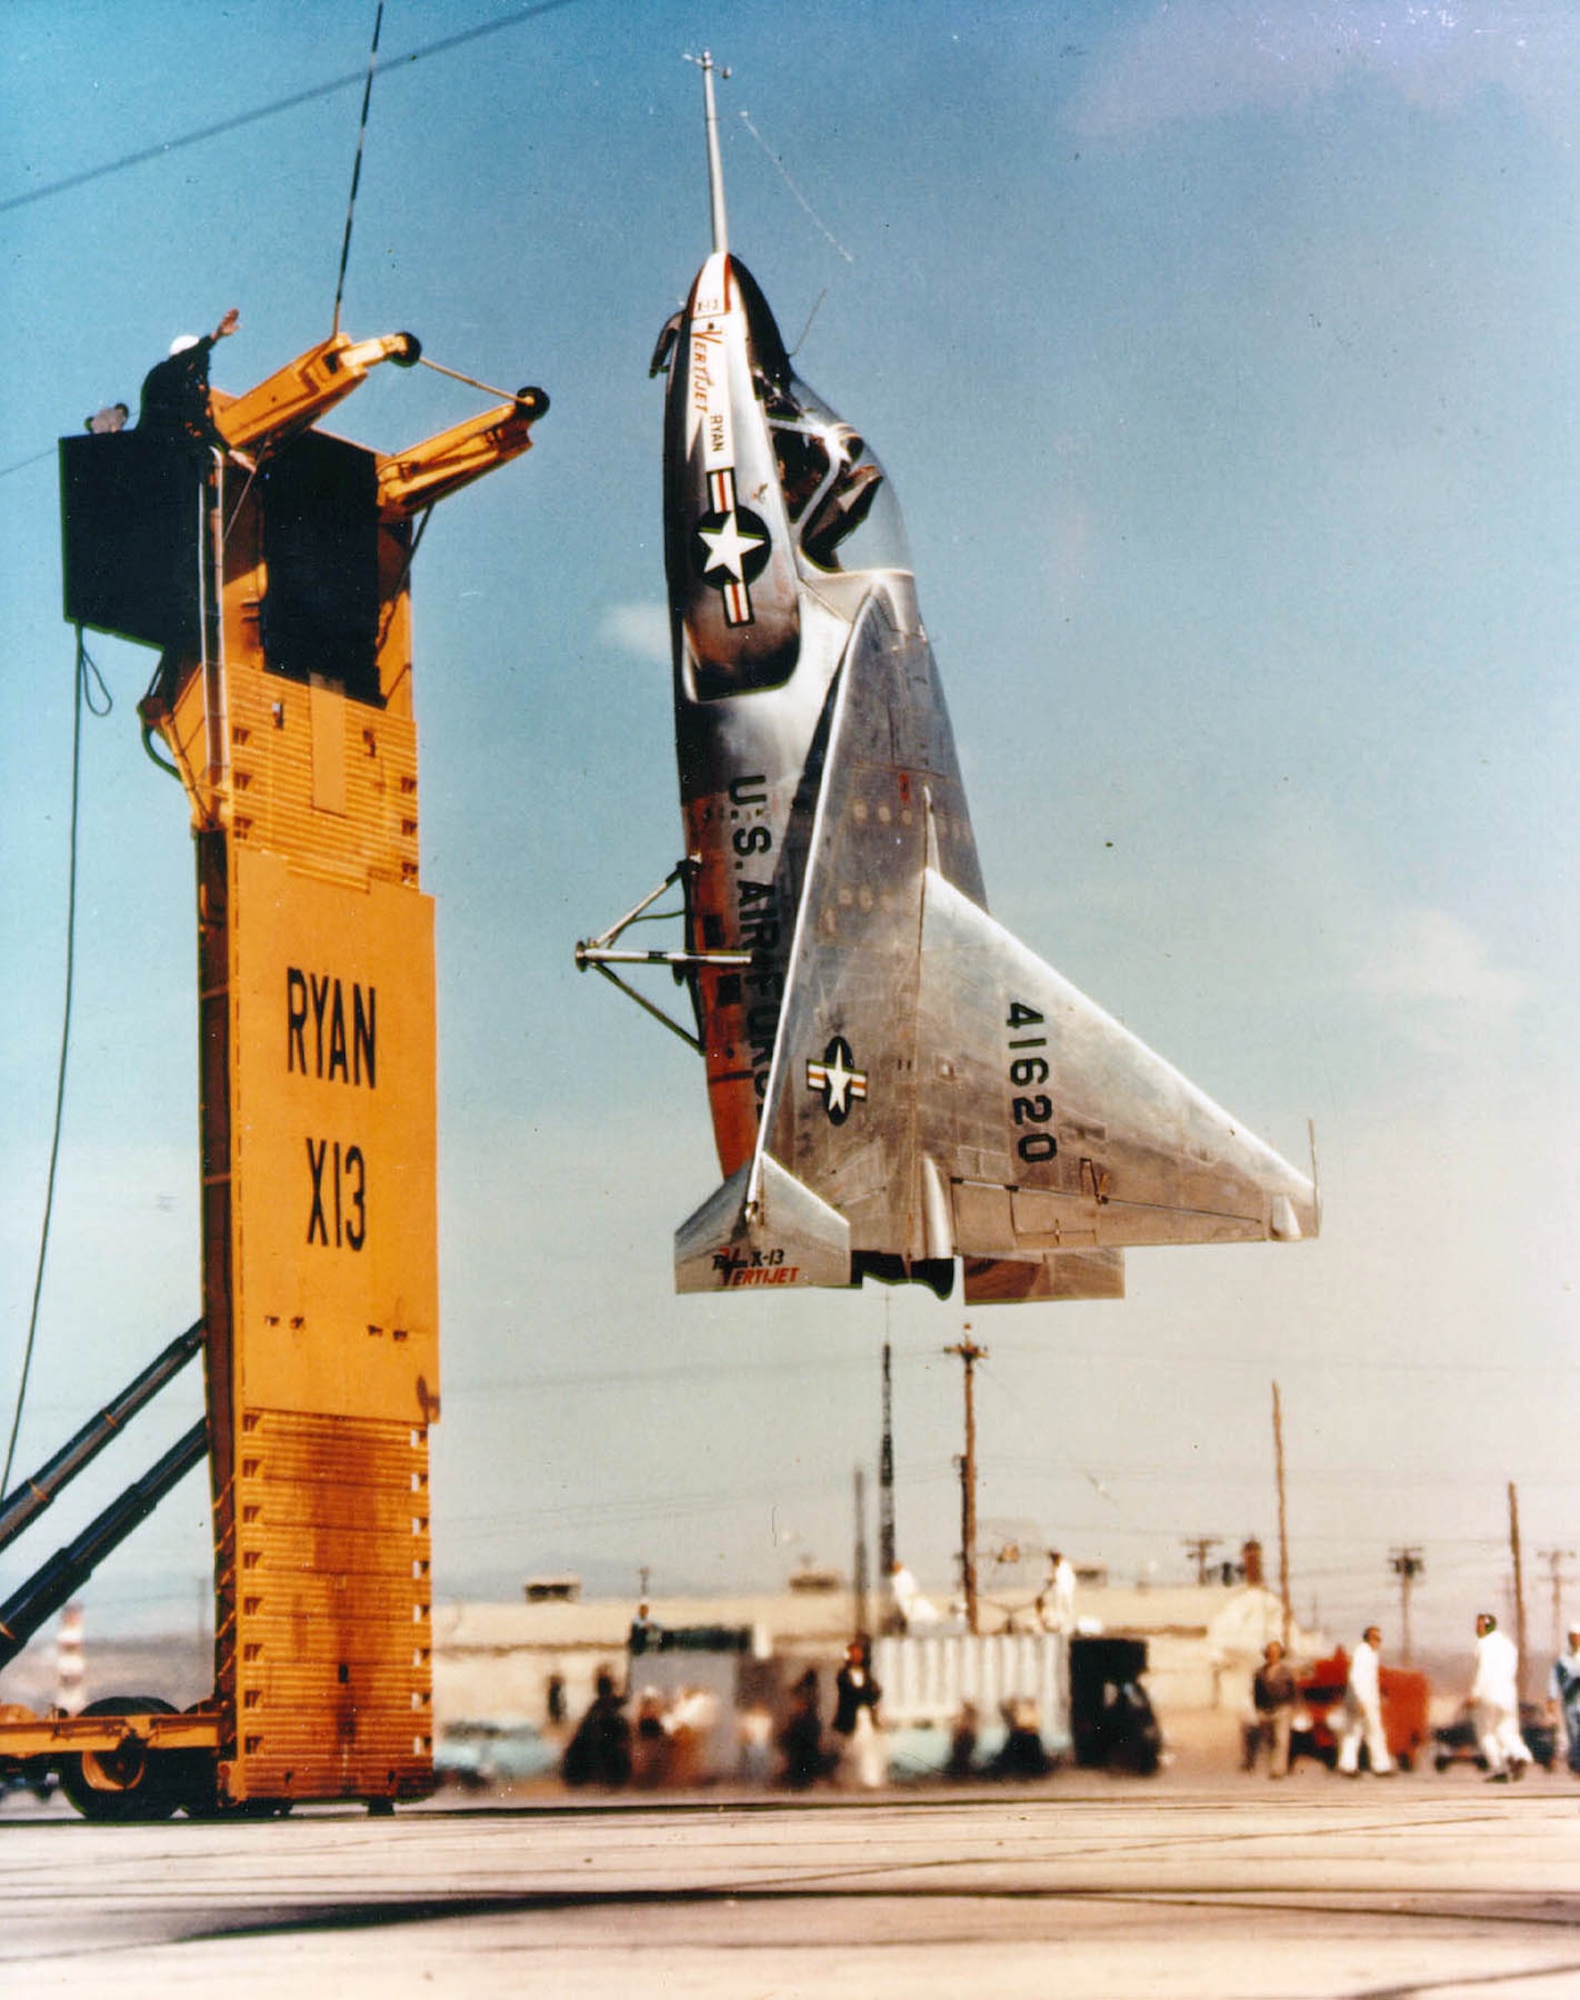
column 927, row 1677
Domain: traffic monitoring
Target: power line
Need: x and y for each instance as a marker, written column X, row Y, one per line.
column 1406, row 1564
column 1555, row 1560
column 356, row 171
column 22, row 464
column 1201, row 1548
column 84, row 700
column 281, row 104
column 1362, row 1363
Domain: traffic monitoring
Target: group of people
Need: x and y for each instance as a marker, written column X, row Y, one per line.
column 858, row 1750
column 665, row 1742
column 1494, row 1698
column 1020, row 1755
column 1052, row 1610
column 662, row 1746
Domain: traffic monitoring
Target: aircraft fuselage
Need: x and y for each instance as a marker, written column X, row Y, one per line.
column 769, row 501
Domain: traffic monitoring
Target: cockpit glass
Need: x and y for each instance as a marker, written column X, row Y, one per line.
column 839, row 499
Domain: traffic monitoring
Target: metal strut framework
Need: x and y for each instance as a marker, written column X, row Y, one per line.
column 70, row 1567
column 22, row 1507
column 601, row 953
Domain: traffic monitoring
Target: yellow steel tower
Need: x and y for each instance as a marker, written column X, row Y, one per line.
column 274, row 573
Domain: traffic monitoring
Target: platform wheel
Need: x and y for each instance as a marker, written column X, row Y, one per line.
column 130, row 1782
column 195, row 1774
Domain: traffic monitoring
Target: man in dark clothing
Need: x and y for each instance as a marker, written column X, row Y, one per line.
column 600, row 1751
column 856, row 1698
column 1274, row 1694
column 175, row 392
column 175, row 406
column 854, row 1687
column 963, row 1743
column 801, row 1739
column 1021, row 1755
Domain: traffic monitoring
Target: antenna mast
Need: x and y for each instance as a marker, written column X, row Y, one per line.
column 708, row 67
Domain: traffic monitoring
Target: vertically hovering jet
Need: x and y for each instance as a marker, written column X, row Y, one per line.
column 896, row 1083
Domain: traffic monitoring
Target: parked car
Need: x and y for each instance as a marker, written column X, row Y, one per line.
column 30, row 1774
column 485, row 1756
column 1455, row 1742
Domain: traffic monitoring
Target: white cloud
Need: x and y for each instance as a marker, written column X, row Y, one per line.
column 1434, row 978
column 642, row 629
column 1196, row 58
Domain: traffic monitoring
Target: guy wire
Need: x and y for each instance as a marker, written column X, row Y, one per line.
column 356, row 171
column 84, row 699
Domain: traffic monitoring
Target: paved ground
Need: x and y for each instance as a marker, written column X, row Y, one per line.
column 1222, row 1888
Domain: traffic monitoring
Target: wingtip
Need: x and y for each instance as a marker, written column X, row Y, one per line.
column 755, row 1233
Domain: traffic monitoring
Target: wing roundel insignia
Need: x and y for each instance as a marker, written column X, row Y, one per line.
column 837, row 1080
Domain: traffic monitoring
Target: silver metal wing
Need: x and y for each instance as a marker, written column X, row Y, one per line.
column 938, row 1091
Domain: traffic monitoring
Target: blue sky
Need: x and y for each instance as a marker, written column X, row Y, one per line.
column 1224, row 360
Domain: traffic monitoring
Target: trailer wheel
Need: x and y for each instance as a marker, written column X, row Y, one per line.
column 130, row 1783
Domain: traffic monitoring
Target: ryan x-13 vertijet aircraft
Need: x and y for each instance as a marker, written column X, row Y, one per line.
column 896, row 1082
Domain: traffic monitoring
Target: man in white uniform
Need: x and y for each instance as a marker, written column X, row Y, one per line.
column 1056, row 1605
column 915, row 1612
column 1363, row 1711
column 1564, row 1695
column 1495, row 1691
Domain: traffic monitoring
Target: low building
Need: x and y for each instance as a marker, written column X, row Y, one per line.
column 497, row 1660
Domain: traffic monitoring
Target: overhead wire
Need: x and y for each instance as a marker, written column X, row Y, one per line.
column 784, row 171
column 291, row 103
column 356, row 171
column 22, row 464
column 1071, row 1465
column 274, row 110
column 83, row 698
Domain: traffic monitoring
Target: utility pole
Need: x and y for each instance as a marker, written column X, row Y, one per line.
column 1555, row 1560
column 1201, row 1546
column 1283, row 1520
column 887, row 1558
column 1519, row 1582
column 970, row 1354
column 1407, row 1565
column 860, row 1567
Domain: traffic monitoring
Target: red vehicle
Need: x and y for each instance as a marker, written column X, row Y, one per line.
column 1319, row 1720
